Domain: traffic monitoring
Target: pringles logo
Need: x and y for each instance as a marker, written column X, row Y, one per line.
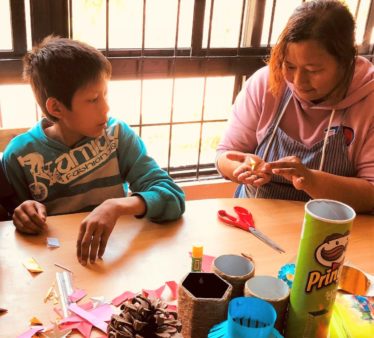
column 329, row 254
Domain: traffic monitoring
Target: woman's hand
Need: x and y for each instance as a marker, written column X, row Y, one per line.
column 293, row 170
column 94, row 232
column 30, row 217
column 251, row 170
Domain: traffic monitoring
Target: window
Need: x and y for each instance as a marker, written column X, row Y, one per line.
column 176, row 67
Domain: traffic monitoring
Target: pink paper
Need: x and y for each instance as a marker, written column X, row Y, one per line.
column 77, row 295
column 173, row 286
column 29, row 333
column 207, row 263
column 86, row 306
column 95, row 321
column 103, row 312
column 121, row 298
column 84, row 328
column 172, row 307
column 154, row 293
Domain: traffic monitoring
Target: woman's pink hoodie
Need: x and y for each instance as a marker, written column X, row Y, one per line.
column 255, row 107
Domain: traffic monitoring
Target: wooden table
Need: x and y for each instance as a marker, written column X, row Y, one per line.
column 144, row 255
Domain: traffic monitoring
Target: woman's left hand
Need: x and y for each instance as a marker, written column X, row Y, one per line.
column 293, row 170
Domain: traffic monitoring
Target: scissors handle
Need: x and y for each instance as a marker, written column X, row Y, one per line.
column 245, row 216
column 231, row 220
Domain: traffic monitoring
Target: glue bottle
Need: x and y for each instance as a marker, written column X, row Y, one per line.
column 197, row 258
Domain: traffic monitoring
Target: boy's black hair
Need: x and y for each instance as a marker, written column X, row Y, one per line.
column 58, row 67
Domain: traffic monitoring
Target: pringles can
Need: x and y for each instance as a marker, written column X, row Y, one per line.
column 319, row 263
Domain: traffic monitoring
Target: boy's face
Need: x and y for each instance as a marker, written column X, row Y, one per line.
column 88, row 114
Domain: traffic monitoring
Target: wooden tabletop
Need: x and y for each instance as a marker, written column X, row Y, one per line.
column 144, row 255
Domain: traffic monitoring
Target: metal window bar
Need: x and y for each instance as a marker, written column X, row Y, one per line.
column 271, row 22
column 173, row 87
column 357, row 9
column 107, row 28
column 70, row 16
column 204, row 91
column 141, row 67
column 366, row 48
column 17, row 9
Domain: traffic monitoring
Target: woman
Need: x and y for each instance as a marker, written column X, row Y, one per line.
column 303, row 126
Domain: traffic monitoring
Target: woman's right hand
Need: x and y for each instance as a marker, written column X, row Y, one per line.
column 30, row 217
column 251, row 169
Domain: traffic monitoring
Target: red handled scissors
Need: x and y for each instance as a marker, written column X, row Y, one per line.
column 245, row 221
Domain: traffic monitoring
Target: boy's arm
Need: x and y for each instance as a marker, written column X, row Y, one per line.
column 163, row 198
column 29, row 216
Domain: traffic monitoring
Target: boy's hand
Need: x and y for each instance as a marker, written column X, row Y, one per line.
column 94, row 232
column 30, row 217
column 251, row 170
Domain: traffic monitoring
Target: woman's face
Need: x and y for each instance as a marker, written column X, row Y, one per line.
column 314, row 72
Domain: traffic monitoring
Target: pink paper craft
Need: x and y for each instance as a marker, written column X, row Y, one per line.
column 172, row 307
column 95, row 321
column 207, row 263
column 103, row 312
column 86, row 306
column 77, row 295
column 83, row 327
column 173, row 286
column 154, row 293
column 30, row 332
column 121, row 298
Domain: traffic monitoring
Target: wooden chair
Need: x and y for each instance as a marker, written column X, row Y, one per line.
column 8, row 201
column 7, row 196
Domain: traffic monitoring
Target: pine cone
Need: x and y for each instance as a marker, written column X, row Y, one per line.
column 142, row 317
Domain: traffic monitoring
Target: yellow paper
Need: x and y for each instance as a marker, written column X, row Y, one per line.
column 35, row 321
column 32, row 265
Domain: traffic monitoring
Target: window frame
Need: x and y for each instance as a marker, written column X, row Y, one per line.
column 55, row 17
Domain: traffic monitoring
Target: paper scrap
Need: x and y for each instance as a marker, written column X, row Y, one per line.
column 77, row 295
column 173, row 286
column 86, row 306
column 84, row 328
column 35, row 321
column 172, row 307
column 123, row 297
column 103, row 312
column 32, row 265
column 99, row 300
column 95, row 321
column 55, row 332
column 154, row 293
column 53, row 242
column 51, row 295
column 30, row 332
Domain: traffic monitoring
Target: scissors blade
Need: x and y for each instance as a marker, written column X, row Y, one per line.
column 265, row 239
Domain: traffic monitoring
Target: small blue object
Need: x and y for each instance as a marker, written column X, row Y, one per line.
column 287, row 273
column 53, row 242
column 247, row 317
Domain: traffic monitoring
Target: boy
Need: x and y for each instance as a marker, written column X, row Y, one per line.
column 77, row 159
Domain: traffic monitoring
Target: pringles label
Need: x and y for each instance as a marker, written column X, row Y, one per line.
column 329, row 254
